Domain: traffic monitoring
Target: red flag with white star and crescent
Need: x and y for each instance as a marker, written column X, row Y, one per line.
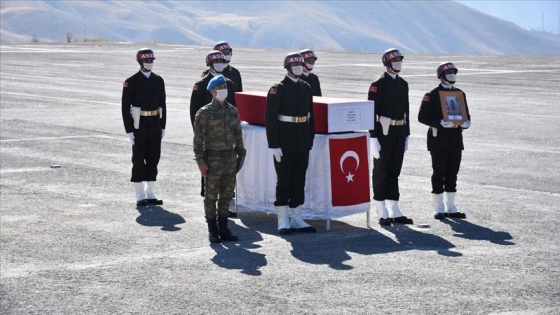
column 349, row 170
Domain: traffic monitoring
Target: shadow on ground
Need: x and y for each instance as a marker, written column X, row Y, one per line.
column 471, row 231
column 332, row 247
column 158, row 216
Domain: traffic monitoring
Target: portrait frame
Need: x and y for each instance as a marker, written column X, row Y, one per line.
column 453, row 106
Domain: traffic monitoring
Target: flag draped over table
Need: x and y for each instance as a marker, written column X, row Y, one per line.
column 349, row 170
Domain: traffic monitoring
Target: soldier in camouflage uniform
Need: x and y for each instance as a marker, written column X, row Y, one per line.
column 219, row 153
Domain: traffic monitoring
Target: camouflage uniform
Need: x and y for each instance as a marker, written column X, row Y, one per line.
column 218, row 141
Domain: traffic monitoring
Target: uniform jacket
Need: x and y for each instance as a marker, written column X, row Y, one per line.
column 146, row 93
column 430, row 113
column 391, row 100
column 217, row 128
column 201, row 96
column 232, row 74
column 313, row 80
column 290, row 98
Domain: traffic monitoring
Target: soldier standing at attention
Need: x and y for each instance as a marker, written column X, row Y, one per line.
column 309, row 57
column 219, row 153
column 144, row 115
column 445, row 143
column 290, row 130
column 216, row 62
column 389, row 139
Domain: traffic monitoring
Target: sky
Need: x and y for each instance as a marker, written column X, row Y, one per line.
column 526, row 14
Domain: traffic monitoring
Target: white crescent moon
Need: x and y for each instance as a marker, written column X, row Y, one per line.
column 348, row 154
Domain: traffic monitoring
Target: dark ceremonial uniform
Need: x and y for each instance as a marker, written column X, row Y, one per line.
column 149, row 95
column 285, row 100
column 446, row 147
column 313, row 81
column 391, row 100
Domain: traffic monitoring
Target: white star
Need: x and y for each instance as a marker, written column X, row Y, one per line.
column 350, row 177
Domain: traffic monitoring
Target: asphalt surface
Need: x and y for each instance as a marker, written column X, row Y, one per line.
column 73, row 242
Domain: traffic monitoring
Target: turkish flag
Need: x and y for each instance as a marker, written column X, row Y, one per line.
column 349, row 170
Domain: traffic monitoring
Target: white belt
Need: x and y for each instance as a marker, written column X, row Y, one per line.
column 292, row 119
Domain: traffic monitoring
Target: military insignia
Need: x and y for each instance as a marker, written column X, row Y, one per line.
column 426, row 98
column 272, row 91
column 125, row 84
column 195, row 87
column 373, row 88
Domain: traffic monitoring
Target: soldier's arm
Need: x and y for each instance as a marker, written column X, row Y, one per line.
column 372, row 96
column 196, row 101
column 427, row 114
column 162, row 102
column 126, row 102
column 272, row 110
column 200, row 123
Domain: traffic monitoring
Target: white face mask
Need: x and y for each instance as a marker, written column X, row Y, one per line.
column 221, row 95
column 451, row 78
column 147, row 66
column 397, row 65
column 228, row 58
column 219, row 67
column 309, row 66
column 297, row 70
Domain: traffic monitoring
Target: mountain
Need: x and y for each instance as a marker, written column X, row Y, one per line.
column 440, row 27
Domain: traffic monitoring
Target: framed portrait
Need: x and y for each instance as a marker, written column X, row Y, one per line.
column 453, row 106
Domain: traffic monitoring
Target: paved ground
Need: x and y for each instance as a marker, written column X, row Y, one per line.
column 72, row 241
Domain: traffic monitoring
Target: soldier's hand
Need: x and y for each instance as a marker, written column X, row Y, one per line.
column 406, row 145
column 277, row 152
column 203, row 167
column 375, row 147
column 466, row 124
column 447, row 124
column 162, row 133
column 130, row 137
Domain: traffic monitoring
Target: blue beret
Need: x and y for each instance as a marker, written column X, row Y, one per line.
column 216, row 81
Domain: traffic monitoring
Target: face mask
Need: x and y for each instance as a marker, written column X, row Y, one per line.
column 219, row 67
column 221, row 95
column 228, row 58
column 147, row 66
column 451, row 78
column 297, row 70
column 309, row 66
column 397, row 66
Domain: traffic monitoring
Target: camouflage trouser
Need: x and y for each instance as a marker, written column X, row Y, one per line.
column 220, row 185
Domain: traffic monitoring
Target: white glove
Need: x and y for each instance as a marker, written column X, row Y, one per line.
column 375, row 147
column 406, row 145
column 162, row 133
column 277, row 154
column 466, row 124
column 447, row 123
column 130, row 137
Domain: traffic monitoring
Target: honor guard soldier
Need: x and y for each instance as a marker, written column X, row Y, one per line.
column 229, row 71
column 445, row 143
column 144, row 115
column 309, row 58
column 290, row 130
column 389, row 139
column 216, row 62
column 219, row 153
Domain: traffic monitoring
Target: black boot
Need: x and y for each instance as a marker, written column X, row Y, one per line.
column 213, row 234
column 225, row 233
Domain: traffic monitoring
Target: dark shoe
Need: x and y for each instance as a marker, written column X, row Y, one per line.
column 402, row 220
column 309, row 229
column 232, row 214
column 285, row 231
column 142, row 203
column 225, row 233
column 385, row 222
column 213, row 234
column 439, row 216
column 458, row 215
column 158, row 202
